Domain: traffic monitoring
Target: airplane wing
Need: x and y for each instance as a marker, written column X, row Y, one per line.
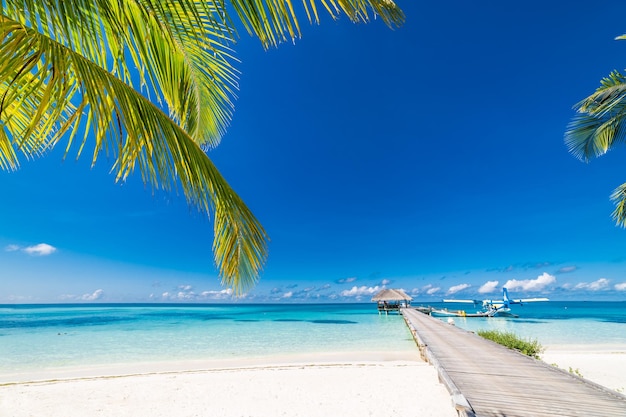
column 463, row 301
column 529, row 300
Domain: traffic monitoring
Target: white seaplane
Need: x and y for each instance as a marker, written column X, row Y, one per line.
column 491, row 308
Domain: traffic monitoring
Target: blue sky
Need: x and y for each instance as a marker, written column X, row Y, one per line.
column 429, row 158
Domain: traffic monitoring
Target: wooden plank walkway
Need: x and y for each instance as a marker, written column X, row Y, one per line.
column 486, row 379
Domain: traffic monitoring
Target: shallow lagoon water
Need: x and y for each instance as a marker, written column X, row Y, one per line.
column 51, row 336
column 34, row 337
column 557, row 323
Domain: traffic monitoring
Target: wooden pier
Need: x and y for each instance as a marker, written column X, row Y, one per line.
column 485, row 379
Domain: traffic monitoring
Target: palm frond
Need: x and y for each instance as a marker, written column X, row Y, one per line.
column 179, row 50
column 590, row 136
column 150, row 83
column 23, row 88
column 140, row 136
column 276, row 21
column 188, row 58
column 600, row 121
column 8, row 158
column 619, row 199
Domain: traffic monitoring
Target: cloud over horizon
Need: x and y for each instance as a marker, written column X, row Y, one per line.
column 40, row 249
column 488, row 287
column 537, row 284
column 94, row 296
column 597, row 285
column 360, row 291
column 430, row 289
column 186, row 293
column 456, row 288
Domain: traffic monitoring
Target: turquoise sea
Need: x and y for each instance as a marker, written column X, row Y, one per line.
column 34, row 337
column 576, row 324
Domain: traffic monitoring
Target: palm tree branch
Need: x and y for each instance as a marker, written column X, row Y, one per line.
column 619, row 199
column 181, row 47
column 158, row 147
column 23, row 88
column 275, row 21
column 599, row 122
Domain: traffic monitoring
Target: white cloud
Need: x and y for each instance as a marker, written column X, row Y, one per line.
column 432, row 290
column 20, row 298
column 488, row 287
column 620, row 286
column 96, row 295
column 185, row 293
column 41, row 249
column 360, row 291
column 346, row 280
column 537, row 284
column 217, row 295
column 567, row 269
column 456, row 288
column 385, row 282
column 598, row 285
column 288, row 294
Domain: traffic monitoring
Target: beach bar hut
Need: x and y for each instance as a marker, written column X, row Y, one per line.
column 391, row 300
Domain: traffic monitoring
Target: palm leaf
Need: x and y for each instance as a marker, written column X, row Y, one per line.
column 141, row 136
column 276, row 21
column 599, row 124
column 600, row 119
column 151, row 83
column 619, row 198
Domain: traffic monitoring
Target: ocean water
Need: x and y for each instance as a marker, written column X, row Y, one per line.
column 34, row 337
column 559, row 324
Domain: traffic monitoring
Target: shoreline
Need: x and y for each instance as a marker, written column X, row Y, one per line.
column 308, row 384
column 299, row 389
column 199, row 365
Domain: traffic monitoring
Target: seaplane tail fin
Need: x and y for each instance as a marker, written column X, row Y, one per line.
column 505, row 294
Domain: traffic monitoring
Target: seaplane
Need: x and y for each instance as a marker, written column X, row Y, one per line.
column 491, row 308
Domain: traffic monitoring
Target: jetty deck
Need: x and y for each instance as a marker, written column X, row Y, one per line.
column 486, row 379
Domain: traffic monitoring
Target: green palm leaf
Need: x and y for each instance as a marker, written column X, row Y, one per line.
column 276, row 21
column 150, row 83
column 143, row 137
column 599, row 124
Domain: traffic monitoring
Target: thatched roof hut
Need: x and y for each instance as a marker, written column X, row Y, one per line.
column 391, row 300
column 391, row 295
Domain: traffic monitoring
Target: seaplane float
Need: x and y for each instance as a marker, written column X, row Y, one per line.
column 490, row 308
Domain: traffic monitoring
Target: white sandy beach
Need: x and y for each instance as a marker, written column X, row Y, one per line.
column 349, row 388
column 364, row 384
column 604, row 365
